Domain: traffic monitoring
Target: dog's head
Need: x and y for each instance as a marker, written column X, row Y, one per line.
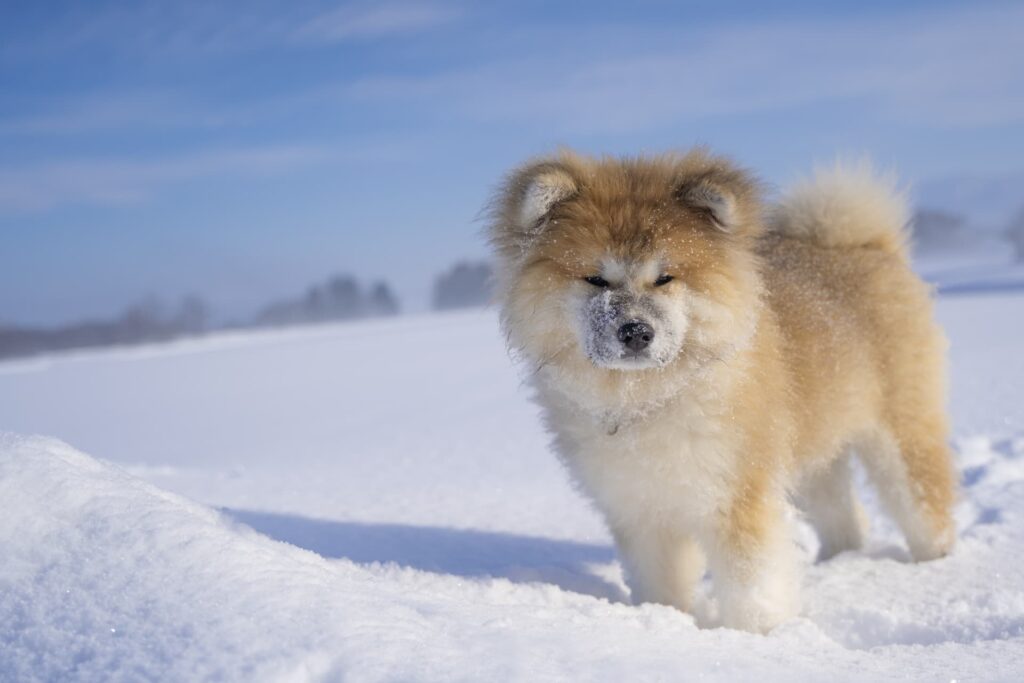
column 628, row 265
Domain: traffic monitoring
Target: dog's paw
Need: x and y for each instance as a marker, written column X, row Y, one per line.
column 756, row 616
column 760, row 606
column 932, row 547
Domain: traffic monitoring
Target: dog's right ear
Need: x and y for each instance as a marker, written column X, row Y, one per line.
column 521, row 210
column 534, row 191
column 541, row 190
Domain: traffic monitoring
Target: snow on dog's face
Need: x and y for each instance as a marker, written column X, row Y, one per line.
column 627, row 265
column 626, row 317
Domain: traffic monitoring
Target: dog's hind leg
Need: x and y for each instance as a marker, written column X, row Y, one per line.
column 829, row 500
column 913, row 470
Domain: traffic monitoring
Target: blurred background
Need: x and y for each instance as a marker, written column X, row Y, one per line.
column 174, row 168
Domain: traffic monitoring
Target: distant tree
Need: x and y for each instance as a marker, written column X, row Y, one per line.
column 339, row 298
column 1015, row 234
column 193, row 315
column 382, row 301
column 146, row 320
column 465, row 284
column 936, row 231
column 343, row 298
column 15, row 341
column 312, row 306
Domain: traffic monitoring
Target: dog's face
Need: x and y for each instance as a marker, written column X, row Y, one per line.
column 627, row 316
column 626, row 265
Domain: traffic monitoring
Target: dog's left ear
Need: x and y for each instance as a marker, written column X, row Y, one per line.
column 713, row 200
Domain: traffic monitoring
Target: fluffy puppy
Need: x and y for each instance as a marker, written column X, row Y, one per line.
column 698, row 362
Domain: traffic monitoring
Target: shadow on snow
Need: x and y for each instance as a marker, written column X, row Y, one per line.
column 460, row 552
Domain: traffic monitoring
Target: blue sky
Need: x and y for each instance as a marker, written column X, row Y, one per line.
column 242, row 151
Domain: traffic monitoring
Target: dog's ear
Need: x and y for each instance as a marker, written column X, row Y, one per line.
column 713, row 199
column 535, row 191
column 522, row 208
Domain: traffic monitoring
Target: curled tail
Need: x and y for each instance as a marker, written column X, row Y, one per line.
column 845, row 206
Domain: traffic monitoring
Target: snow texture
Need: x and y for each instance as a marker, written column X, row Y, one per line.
column 375, row 501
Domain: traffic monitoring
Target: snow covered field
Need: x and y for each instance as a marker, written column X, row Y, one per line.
column 376, row 501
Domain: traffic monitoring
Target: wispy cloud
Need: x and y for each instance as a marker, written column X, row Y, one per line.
column 197, row 29
column 124, row 181
column 937, row 68
column 145, row 109
column 373, row 20
column 955, row 68
column 156, row 109
column 945, row 68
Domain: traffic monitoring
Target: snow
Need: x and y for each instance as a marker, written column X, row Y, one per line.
column 376, row 501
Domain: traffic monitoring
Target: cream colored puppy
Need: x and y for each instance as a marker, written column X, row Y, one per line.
column 699, row 362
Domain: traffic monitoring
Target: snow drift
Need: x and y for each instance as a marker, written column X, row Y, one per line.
column 334, row 546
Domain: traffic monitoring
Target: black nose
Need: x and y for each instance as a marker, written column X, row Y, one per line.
column 636, row 336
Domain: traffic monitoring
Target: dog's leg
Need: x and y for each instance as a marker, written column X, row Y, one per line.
column 661, row 566
column 754, row 562
column 828, row 498
column 913, row 470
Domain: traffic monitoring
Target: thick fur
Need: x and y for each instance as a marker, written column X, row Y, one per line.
column 789, row 337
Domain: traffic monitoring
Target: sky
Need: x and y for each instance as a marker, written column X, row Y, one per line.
column 241, row 152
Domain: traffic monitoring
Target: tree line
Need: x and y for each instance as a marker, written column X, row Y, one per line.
column 936, row 231
column 341, row 297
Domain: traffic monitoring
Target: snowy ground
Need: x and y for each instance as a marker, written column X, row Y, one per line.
column 376, row 501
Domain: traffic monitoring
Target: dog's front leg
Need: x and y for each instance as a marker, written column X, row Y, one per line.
column 754, row 562
column 661, row 566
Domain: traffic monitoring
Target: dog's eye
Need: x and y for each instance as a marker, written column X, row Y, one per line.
column 663, row 280
column 597, row 281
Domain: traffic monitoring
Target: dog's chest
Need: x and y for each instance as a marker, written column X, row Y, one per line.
column 672, row 467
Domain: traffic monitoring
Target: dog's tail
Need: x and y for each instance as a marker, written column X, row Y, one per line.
column 845, row 206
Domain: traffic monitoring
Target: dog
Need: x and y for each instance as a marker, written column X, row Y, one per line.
column 703, row 359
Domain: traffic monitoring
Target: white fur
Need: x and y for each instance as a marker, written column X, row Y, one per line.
column 662, row 566
column 845, row 205
column 614, row 271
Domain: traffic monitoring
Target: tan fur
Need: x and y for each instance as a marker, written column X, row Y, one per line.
column 799, row 342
